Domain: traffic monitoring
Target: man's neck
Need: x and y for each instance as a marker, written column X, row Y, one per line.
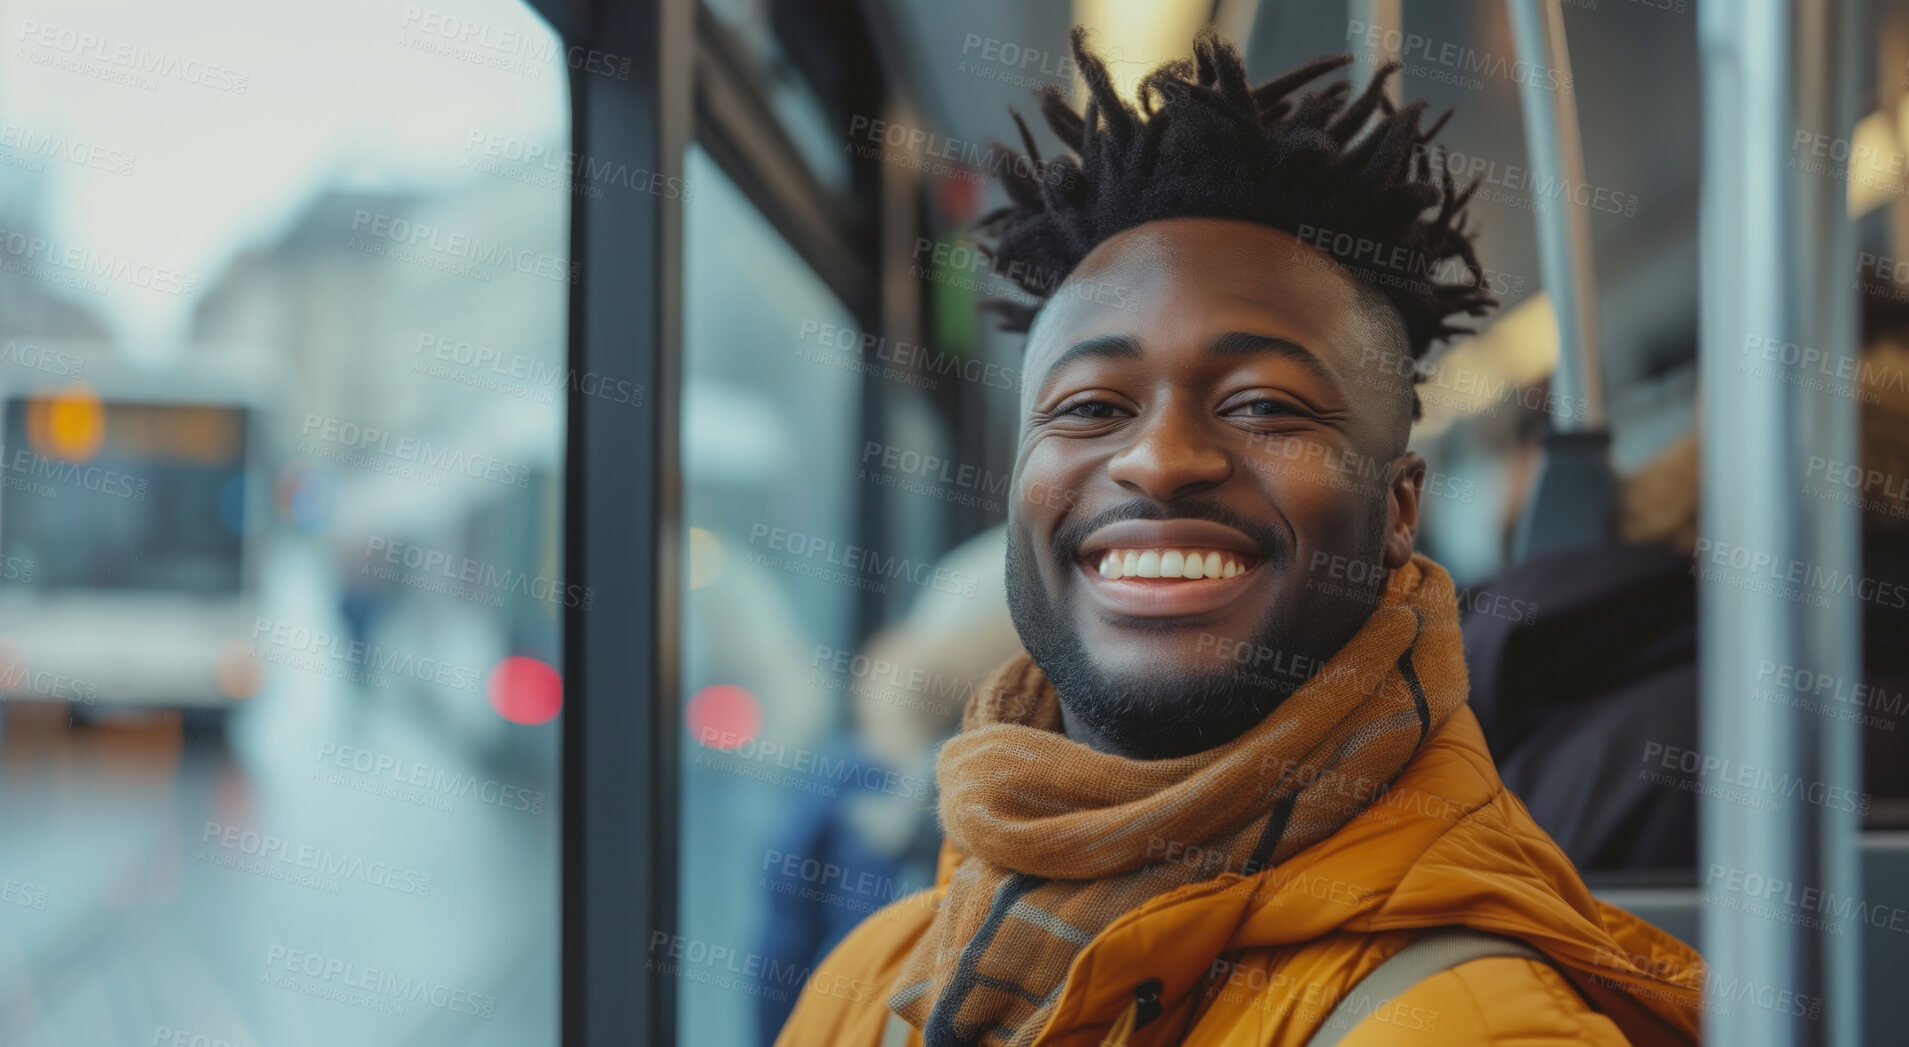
column 1077, row 729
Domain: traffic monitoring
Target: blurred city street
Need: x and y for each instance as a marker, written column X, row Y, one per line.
column 152, row 905
column 280, row 569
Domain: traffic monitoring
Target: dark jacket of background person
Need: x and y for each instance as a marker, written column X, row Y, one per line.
column 1602, row 666
column 1583, row 698
column 1585, row 704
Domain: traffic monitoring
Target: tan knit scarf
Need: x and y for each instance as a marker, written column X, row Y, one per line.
column 1062, row 840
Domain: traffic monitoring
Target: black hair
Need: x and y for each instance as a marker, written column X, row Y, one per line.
column 1203, row 144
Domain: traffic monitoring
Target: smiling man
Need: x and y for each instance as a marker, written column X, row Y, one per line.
column 1232, row 794
column 1204, row 429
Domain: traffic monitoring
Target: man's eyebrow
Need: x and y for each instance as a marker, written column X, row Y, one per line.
column 1107, row 346
column 1246, row 343
column 1232, row 343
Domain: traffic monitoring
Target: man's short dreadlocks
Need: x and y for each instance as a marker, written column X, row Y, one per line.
column 1204, row 144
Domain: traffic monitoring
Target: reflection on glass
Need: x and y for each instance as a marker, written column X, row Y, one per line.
column 771, row 481
column 815, row 132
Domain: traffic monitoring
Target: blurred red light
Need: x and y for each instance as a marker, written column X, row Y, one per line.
column 723, row 716
column 525, row 690
column 958, row 198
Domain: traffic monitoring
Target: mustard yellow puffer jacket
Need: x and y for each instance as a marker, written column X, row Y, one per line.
column 1260, row 961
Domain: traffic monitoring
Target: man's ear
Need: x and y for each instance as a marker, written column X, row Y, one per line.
column 1401, row 508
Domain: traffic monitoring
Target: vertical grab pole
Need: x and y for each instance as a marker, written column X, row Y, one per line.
column 1574, row 499
column 1778, row 258
column 1548, row 102
column 1384, row 21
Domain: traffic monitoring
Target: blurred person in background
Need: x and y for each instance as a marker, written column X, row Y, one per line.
column 1581, row 702
column 1234, row 776
column 907, row 688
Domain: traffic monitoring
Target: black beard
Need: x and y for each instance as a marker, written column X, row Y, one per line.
column 1155, row 718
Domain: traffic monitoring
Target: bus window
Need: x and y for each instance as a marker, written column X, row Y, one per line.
column 282, row 400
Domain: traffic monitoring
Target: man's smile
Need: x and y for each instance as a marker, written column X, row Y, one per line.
column 1168, row 568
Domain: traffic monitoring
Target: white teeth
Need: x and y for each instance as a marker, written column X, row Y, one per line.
column 1168, row 563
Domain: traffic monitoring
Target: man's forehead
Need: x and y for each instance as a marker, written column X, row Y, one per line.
column 1190, row 239
column 1149, row 277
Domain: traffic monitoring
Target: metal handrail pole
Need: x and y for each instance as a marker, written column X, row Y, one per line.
column 1778, row 269
column 1555, row 153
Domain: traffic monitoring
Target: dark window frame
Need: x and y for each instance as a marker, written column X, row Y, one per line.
column 621, row 497
column 687, row 79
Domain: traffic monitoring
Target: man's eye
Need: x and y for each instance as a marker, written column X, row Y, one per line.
column 1092, row 409
column 1262, row 409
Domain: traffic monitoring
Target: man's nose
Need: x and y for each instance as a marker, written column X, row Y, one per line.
column 1172, row 455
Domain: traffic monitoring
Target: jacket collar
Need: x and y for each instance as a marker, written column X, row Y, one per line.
column 1445, row 844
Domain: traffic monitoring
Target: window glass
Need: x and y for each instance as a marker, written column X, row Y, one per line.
column 283, row 294
column 799, row 110
column 776, row 572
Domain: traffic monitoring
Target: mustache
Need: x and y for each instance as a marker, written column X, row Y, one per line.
column 1066, row 542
